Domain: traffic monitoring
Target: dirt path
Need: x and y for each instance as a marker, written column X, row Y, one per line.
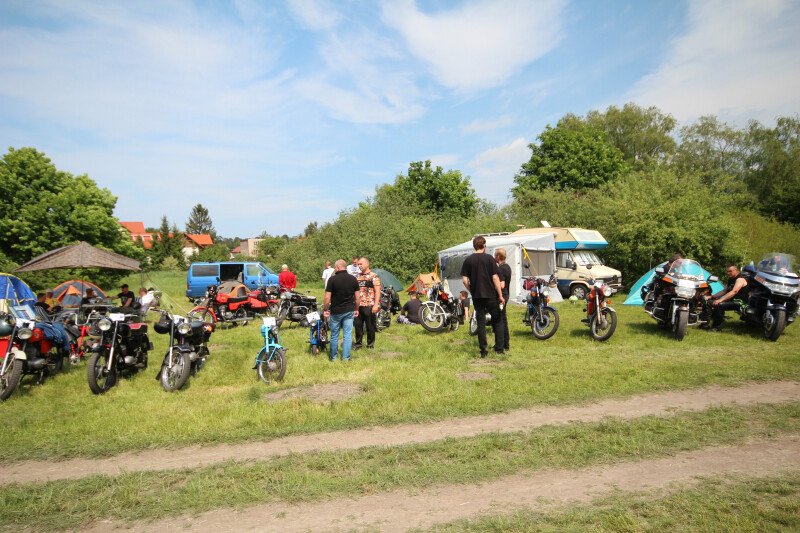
column 402, row 510
column 658, row 403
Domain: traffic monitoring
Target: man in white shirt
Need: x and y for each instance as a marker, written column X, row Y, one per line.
column 353, row 269
column 327, row 273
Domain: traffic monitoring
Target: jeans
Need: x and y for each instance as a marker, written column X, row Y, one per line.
column 344, row 322
column 491, row 306
column 365, row 318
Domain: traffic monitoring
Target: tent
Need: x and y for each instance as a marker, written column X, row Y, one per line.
column 70, row 293
column 635, row 295
column 14, row 291
column 423, row 282
column 537, row 251
column 388, row 279
column 81, row 255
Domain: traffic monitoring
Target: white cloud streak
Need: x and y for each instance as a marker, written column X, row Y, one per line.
column 492, row 171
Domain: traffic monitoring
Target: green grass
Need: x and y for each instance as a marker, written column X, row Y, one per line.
column 734, row 504
column 224, row 404
column 318, row 476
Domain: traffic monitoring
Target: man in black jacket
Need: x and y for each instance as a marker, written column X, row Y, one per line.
column 480, row 276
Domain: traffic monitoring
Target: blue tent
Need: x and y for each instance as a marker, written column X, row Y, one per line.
column 14, row 289
column 635, row 295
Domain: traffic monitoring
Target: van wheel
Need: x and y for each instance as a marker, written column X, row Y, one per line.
column 578, row 291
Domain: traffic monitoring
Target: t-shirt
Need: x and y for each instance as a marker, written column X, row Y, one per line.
column 342, row 287
column 479, row 268
column 287, row 279
column 123, row 297
column 326, row 275
column 504, row 271
column 411, row 309
column 466, row 302
column 353, row 270
column 370, row 287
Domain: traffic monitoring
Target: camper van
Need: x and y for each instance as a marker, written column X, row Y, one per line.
column 201, row 275
column 577, row 260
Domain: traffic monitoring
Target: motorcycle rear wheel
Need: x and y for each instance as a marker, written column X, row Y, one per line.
column 10, row 380
column 778, row 324
column 545, row 326
column 603, row 333
column 273, row 368
column 174, row 378
column 432, row 316
column 383, row 320
column 99, row 379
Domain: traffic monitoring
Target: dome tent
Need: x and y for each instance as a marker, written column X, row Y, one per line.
column 70, row 293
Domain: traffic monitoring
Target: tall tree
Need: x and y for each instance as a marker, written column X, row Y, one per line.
column 431, row 190
column 773, row 168
column 200, row 222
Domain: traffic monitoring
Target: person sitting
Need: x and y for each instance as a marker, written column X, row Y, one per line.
column 723, row 300
column 410, row 312
column 89, row 298
column 126, row 296
column 41, row 301
column 146, row 300
column 50, row 301
column 287, row 278
column 466, row 302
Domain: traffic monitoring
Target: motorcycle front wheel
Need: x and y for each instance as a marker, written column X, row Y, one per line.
column 174, row 378
column 99, row 377
column 383, row 320
column 681, row 324
column 603, row 331
column 272, row 368
column 203, row 314
column 774, row 328
column 545, row 326
column 473, row 325
column 432, row 316
column 10, row 380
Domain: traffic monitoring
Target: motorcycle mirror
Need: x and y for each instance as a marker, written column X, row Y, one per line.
column 713, row 279
column 659, row 270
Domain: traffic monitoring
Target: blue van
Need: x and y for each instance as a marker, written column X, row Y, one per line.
column 201, row 275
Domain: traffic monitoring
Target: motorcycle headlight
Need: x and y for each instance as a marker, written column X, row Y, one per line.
column 104, row 324
column 184, row 328
column 24, row 333
column 684, row 292
column 285, row 296
column 607, row 291
column 545, row 293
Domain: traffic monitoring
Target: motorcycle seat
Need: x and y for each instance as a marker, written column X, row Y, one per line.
column 138, row 326
column 238, row 300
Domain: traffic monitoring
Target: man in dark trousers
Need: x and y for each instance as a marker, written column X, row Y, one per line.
column 504, row 272
column 480, row 277
column 369, row 304
column 341, row 295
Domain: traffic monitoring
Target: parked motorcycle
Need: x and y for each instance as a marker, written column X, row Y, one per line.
column 82, row 330
column 390, row 305
column 121, row 350
column 271, row 359
column 294, row 307
column 187, row 352
column 676, row 299
column 774, row 294
column 318, row 337
column 441, row 310
column 266, row 300
column 540, row 316
column 28, row 348
column 600, row 316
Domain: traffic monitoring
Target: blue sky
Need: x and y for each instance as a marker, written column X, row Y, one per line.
column 273, row 114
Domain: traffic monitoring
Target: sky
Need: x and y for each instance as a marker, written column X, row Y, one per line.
column 273, row 114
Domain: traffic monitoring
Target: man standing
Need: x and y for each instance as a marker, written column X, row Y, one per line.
column 341, row 295
column 126, row 296
column 286, row 278
column 353, row 269
column 504, row 272
column 369, row 304
column 723, row 300
column 479, row 274
column 327, row 273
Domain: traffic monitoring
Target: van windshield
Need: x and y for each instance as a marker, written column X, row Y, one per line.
column 584, row 258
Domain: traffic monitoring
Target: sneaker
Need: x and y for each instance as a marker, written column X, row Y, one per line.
column 484, row 354
column 371, row 346
column 499, row 352
column 357, row 346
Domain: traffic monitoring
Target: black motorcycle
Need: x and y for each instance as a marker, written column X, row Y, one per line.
column 390, row 305
column 187, row 352
column 677, row 299
column 774, row 293
column 121, row 350
column 294, row 307
column 540, row 316
column 440, row 311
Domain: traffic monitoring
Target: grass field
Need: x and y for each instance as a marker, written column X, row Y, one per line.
column 411, row 376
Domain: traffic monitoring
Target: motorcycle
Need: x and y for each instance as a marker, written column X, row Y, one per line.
column 540, row 316
column 294, row 307
column 220, row 307
column 440, row 311
column 677, row 299
column 187, row 352
column 774, row 294
column 600, row 316
column 265, row 300
column 121, row 350
column 271, row 359
column 28, row 347
column 83, row 333
column 390, row 305
column 318, row 332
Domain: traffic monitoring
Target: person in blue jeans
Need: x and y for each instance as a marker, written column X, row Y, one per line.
column 341, row 295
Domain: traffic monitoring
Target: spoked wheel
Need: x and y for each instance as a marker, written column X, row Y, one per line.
column 473, row 325
column 603, row 329
column 174, row 378
column 282, row 314
column 681, row 324
column 774, row 323
column 273, row 309
column 432, row 316
column 203, row 314
column 383, row 320
column 241, row 316
column 10, row 380
column 272, row 368
column 315, row 349
column 97, row 374
column 545, row 325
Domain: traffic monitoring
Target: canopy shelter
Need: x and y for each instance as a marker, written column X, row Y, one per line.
column 70, row 293
column 388, row 279
column 81, row 255
column 14, row 291
column 635, row 294
column 527, row 255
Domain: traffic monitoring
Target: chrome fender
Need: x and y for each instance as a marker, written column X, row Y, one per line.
column 19, row 354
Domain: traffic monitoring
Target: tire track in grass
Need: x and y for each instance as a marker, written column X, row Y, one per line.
column 657, row 403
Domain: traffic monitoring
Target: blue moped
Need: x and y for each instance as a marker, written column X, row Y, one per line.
column 271, row 359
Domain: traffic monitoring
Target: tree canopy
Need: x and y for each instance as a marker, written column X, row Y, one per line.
column 200, row 222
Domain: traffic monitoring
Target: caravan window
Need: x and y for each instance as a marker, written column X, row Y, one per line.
column 562, row 258
column 205, row 270
column 253, row 271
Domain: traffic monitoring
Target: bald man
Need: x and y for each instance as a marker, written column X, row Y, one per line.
column 368, row 305
column 341, row 295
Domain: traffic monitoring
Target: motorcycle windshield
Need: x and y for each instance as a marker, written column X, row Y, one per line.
column 687, row 269
column 778, row 263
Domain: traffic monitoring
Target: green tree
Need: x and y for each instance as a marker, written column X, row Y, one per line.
column 431, row 190
column 269, row 247
column 215, row 252
column 167, row 243
column 569, row 158
column 200, row 222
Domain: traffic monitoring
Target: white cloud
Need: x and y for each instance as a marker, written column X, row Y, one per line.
column 492, row 171
column 480, row 44
column 315, row 14
column 480, row 126
column 446, row 161
column 736, row 59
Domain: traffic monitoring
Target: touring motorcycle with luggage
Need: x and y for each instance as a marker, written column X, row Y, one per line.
column 540, row 316
column 600, row 316
column 121, row 350
column 188, row 349
column 676, row 298
column 774, row 290
column 440, row 311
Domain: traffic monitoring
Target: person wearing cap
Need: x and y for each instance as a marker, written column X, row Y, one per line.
column 286, row 278
column 126, row 296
